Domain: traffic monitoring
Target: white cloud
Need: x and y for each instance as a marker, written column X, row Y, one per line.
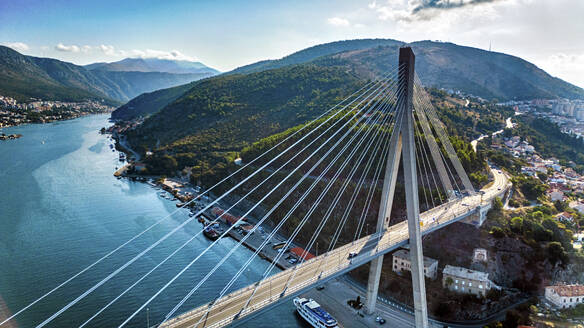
column 159, row 54
column 337, row 21
column 64, row 48
column 562, row 64
column 107, row 49
column 18, row 46
column 148, row 53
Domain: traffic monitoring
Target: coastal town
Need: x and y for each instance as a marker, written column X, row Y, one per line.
column 13, row 112
column 566, row 113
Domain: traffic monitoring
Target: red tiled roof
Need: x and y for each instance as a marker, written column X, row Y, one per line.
column 569, row 290
column 299, row 251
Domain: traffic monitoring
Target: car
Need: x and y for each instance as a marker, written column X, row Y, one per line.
column 320, row 288
column 352, row 255
column 498, row 188
column 379, row 320
column 292, row 261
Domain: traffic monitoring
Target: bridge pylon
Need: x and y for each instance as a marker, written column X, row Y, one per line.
column 402, row 142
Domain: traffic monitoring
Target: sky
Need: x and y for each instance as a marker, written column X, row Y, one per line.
column 228, row 34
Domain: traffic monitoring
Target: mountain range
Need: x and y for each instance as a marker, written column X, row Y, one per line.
column 477, row 72
column 213, row 119
column 24, row 77
column 154, row 65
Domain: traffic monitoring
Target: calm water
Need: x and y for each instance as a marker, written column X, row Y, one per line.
column 61, row 209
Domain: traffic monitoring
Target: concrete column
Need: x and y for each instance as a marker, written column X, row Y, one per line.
column 406, row 57
column 391, row 170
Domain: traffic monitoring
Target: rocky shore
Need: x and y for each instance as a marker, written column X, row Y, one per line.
column 10, row 136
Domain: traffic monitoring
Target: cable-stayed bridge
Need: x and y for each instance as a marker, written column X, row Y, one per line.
column 325, row 182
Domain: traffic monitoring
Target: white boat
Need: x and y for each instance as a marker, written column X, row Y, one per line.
column 315, row 315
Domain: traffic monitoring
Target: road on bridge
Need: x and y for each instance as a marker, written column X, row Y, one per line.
column 322, row 268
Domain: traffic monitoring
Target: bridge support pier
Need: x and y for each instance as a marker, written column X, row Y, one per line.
column 403, row 133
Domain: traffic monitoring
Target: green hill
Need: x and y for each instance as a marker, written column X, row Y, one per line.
column 150, row 102
column 221, row 115
column 24, row 77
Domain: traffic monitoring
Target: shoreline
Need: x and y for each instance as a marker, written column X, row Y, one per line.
column 5, row 313
column 54, row 121
column 184, row 192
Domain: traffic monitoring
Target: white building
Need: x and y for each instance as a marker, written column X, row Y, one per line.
column 578, row 207
column 556, row 195
column 401, row 262
column 467, row 281
column 565, row 296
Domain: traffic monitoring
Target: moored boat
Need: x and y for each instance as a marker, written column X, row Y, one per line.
column 314, row 314
column 210, row 233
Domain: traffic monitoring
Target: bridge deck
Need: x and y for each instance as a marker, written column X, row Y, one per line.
column 326, row 266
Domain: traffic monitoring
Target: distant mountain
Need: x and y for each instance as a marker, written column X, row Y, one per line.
column 154, row 65
column 24, row 77
column 314, row 52
column 486, row 74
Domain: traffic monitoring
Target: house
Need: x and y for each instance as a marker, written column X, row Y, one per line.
column 463, row 280
column 578, row 207
column 555, row 195
column 228, row 218
column 565, row 296
column 401, row 262
column 565, row 216
column 301, row 253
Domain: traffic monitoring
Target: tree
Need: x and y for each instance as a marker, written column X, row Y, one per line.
column 560, row 206
column 497, row 204
column 556, row 253
column 512, row 319
column 516, row 224
column 497, row 232
column 449, row 281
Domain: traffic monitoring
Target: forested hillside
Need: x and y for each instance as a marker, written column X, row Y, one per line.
column 150, row 102
column 24, row 77
column 217, row 118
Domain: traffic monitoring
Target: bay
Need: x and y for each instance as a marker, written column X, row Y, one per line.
column 61, row 209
